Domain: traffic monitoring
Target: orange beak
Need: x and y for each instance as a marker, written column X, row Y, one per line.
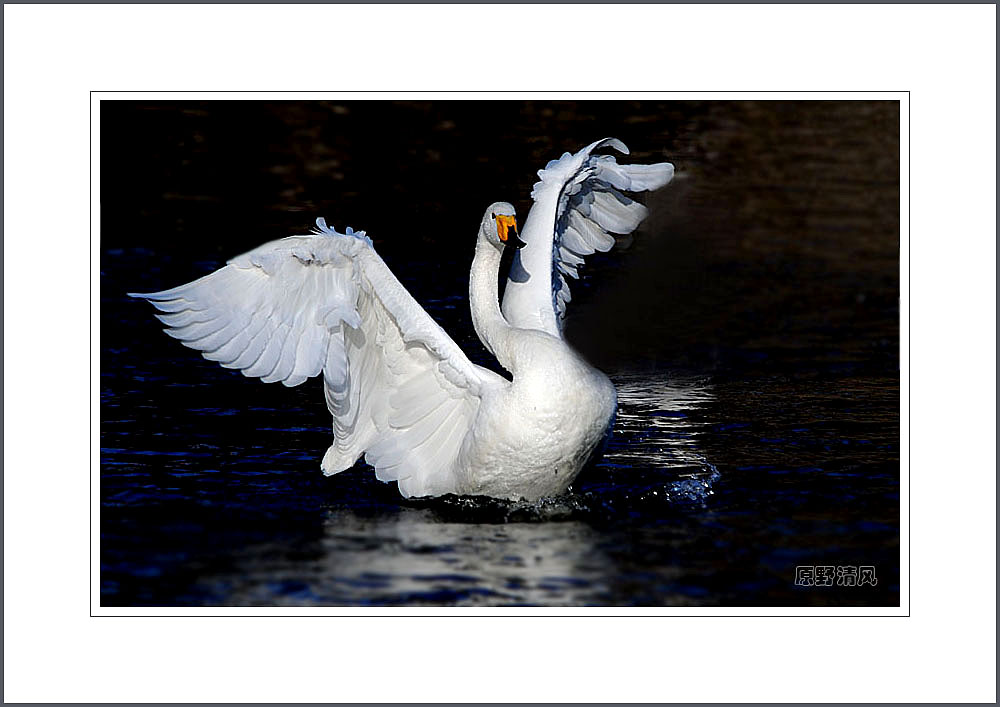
column 504, row 223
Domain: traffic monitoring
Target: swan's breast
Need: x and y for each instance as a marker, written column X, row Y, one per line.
column 533, row 437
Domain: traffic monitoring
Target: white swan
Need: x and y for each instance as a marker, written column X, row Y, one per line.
column 401, row 392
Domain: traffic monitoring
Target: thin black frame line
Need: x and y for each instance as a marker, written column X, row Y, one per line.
column 90, row 337
column 566, row 91
column 909, row 407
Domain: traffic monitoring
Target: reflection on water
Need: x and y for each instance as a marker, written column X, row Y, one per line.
column 413, row 558
column 472, row 552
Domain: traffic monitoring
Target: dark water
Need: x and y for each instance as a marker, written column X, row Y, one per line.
column 751, row 329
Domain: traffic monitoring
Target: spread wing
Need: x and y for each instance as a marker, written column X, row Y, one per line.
column 399, row 389
column 579, row 203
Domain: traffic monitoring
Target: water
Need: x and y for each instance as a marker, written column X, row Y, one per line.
column 751, row 331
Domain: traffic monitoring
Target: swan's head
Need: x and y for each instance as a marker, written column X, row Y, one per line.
column 499, row 226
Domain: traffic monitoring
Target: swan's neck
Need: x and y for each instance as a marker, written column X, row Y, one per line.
column 490, row 325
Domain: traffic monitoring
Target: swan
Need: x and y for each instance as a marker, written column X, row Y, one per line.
column 400, row 390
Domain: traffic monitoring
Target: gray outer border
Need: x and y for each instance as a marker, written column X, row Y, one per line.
column 482, row 2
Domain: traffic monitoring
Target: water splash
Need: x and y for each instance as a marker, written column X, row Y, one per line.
column 653, row 461
column 659, row 422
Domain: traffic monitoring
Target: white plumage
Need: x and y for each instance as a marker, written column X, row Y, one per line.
column 578, row 204
column 400, row 391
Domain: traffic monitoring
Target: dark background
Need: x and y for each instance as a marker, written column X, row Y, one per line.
column 768, row 273
column 780, row 233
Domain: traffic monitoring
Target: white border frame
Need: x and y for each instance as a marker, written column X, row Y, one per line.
column 945, row 55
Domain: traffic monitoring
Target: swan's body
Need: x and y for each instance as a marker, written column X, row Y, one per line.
column 401, row 392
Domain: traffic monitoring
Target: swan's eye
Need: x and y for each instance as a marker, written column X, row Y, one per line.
column 493, row 216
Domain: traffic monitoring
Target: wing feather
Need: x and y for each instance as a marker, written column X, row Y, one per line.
column 400, row 390
column 579, row 203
